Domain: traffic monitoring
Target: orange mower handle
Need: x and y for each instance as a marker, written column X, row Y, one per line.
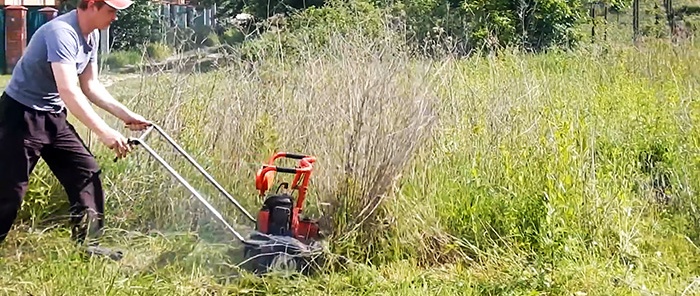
column 301, row 157
column 266, row 174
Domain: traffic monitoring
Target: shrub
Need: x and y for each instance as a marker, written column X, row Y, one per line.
column 205, row 36
column 431, row 27
column 233, row 36
column 118, row 59
column 158, row 51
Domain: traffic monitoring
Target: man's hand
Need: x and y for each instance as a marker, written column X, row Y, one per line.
column 136, row 122
column 116, row 141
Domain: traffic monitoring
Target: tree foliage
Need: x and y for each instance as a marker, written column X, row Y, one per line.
column 461, row 25
column 136, row 26
column 469, row 24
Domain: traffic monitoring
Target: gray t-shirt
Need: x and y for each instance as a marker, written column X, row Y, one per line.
column 59, row 40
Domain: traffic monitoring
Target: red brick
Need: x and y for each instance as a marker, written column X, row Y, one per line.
column 15, row 34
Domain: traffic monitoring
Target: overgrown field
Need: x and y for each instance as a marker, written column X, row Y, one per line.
column 557, row 174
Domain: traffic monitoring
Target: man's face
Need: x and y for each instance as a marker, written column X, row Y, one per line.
column 104, row 16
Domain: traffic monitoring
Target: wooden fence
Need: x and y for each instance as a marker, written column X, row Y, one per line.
column 21, row 18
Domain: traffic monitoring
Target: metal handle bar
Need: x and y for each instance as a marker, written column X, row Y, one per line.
column 141, row 141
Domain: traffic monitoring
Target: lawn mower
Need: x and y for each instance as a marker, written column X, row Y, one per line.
column 283, row 240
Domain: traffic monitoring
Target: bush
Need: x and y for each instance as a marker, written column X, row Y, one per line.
column 180, row 38
column 202, row 33
column 316, row 27
column 210, row 40
column 431, row 27
column 158, row 51
column 233, row 36
column 118, row 59
column 465, row 25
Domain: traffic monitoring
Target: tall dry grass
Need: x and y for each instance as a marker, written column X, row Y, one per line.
column 362, row 106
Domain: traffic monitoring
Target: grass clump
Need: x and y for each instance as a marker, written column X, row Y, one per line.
column 158, row 51
column 119, row 59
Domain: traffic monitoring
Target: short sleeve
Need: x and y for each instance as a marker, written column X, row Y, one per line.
column 62, row 46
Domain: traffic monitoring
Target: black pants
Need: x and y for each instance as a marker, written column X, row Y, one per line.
column 25, row 136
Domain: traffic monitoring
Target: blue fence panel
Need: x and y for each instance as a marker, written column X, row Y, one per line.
column 34, row 20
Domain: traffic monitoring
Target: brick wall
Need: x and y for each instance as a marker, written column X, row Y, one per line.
column 15, row 34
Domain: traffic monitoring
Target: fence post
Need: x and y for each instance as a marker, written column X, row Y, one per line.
column 605, row 32
column 190, row 16
column 15, row 35
column 49, row 13
column 104, row 41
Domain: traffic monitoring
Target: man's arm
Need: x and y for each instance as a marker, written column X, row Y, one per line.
column 67, row 82
column 95, row 91
column 62, row 51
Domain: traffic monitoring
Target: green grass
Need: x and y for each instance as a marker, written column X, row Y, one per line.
column 566, row 173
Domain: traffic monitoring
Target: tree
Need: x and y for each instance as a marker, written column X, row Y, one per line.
column 136, row 26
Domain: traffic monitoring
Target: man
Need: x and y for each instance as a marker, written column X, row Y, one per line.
column 58, row 74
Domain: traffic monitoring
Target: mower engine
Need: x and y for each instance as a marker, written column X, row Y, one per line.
column 287, row 240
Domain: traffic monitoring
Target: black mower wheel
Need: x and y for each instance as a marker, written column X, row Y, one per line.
column 264, row 261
